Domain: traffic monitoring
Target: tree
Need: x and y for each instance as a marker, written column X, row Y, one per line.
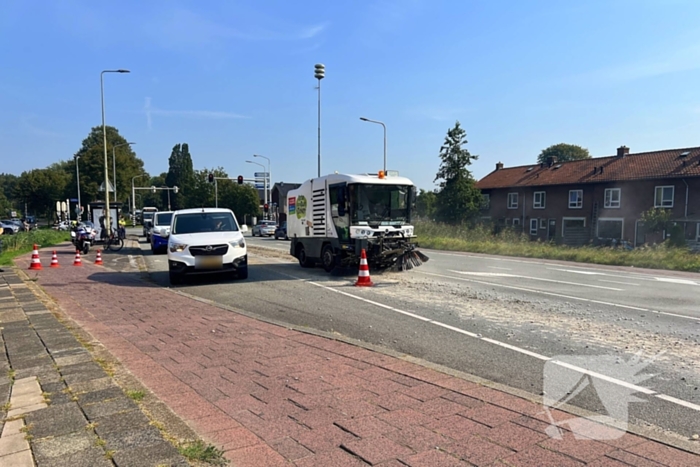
column 458, row 199
column 243, row 200
column 426, row 204
column 656, row 219
column 563, row 152
column 202, row 192
column 180, row 174
column 92, row 166
column 41, row 188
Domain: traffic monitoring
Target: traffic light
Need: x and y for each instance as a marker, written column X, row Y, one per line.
column 240, row 179
column 266, row 207
column 210, row 178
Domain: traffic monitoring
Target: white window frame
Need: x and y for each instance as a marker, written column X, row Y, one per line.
column 661, row 204
column 543, row 223
column 539, row 204
column 579, row 204
column 516, row 221
column 564, row 219
column 535, row 222
column 613, row 219
column 512, row 205
column 609, row 203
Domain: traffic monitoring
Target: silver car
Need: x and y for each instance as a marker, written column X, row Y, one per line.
column 265, row 228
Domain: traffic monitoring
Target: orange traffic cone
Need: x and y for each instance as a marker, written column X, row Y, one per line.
column 98, row 259
column 36, row 263
column 363, row 279
column 77, row 261
column 54, row 260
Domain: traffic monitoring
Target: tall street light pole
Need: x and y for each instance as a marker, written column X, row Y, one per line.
column 265, row 190
column 269, row 175
column 383, row 125
column 108, row 223
column 77, row 178
column 319, row 74
column 114, row 167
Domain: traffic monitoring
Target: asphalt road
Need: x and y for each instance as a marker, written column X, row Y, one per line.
column 507, row 320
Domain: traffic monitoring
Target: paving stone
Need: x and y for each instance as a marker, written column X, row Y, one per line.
column 18, row 459
column 93, row 385
column 90, row 457
column 56, row 420
column 124, row 421
column 83, row 376
column 11, row 444
column 162, row 453
column 82, row 367
column 25, row 410
column 47, row 449
column 101, row 395
column 104, row 409
column 131, row 439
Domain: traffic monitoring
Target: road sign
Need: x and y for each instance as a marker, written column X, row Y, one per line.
column 262, row 174
column 110, row 188
column 260, row 186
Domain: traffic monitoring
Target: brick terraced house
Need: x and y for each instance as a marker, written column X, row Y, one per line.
column 596, row 200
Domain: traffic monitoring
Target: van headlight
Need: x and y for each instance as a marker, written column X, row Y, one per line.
column 177, row 247
column 239, row 243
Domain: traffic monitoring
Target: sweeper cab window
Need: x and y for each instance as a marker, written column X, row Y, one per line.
column 379, row 204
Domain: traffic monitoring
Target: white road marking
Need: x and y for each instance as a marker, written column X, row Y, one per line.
column 520, row 350
column 495, row 267
column 553, row 294
column 616, row 282
column 592, row 273
column 538, row 279
column 676, row 281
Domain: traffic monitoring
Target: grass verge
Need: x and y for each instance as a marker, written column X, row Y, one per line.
column 200, row 451
column 508, row 243
column 23, row 242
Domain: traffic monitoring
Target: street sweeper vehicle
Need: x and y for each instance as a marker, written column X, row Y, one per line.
column 331, row 219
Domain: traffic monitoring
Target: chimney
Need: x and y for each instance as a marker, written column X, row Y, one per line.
column 551, row 160
column 595, row 170
column 601, row 169
column 622, row 151
column 499, row 165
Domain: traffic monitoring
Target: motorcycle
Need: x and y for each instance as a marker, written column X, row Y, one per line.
column 82, row 237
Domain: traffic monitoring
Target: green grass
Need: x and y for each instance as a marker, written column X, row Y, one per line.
column 508, row 243
column 200, row 451
column 136, row 395
column 23, row 242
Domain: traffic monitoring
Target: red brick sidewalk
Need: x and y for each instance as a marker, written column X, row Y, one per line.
column 272, row 396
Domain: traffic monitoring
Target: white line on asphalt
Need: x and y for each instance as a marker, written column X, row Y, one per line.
column 578, row 369
column 525, row 289
column 539, row 279
column 676, row 281
column 495, row 267
column 592, row 273
column 616, row 282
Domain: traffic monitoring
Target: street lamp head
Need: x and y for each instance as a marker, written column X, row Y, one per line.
column 364, row 119
column 123, row 71
column 319, row 71
column 251, row 162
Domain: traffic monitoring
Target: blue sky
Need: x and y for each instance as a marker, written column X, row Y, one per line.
column 235, row 78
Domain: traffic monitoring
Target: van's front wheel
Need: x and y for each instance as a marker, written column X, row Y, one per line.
column 328, row 258
column 304, row 260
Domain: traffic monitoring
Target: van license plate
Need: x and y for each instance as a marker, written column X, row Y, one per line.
column 208, row 262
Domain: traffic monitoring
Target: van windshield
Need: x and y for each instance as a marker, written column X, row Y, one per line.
column 199, row 222
column 164, row 218
column 379, row 204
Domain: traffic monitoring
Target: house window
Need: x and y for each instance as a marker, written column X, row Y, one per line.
column 610, row 228
column 512, row 201
column 543, row 223
column 485, row 201
column 538, row 200
column 508, row 221
column 533, row 226
column 663, row 197
column 575, row 199
column 516, row 221
column 572, row 223
column 612, row 197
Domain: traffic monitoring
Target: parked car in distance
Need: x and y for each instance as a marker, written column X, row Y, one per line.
column 264, row 228
column 160, row 232
column 206, row 241
column 281, row 231
column 9, row 228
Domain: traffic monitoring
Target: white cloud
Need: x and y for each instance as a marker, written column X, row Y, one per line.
column 150, row 111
